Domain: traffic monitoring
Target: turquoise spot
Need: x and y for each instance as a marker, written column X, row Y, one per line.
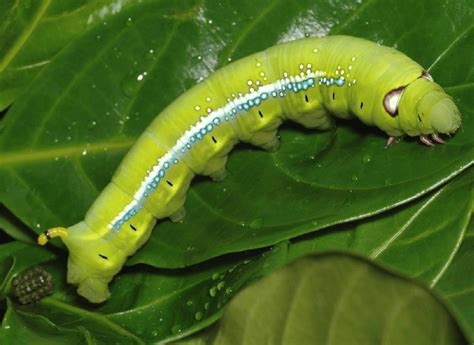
column 264, row 95
column 209, row 127
column 161, row 173
column 216, row 121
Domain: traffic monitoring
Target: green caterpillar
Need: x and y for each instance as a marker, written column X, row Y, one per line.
column 307, row 81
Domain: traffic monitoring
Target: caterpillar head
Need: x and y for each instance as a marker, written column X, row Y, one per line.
column 423, row 108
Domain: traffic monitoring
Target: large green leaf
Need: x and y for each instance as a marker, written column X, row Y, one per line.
column 335, row 299
column 87, row 107
column 33, row 32
column 457, row 283
column 149, row 305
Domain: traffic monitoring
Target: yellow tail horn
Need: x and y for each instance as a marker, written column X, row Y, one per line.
column 51, row 233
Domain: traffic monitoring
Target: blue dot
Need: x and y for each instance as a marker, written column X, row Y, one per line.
column 234, row 110
column 311, row 81
column 199, row 136
column 216, row 121
column 156, row 179
column 264, row 95
column 166, row 165
column 161, row 173
column 246, row 106
column 188, row 145
column 175, row 161
column 274, row 94
column 203, row 131
column 226, row 118
column 251, row 103
column 239, row 107
column 257, row 101
column 209, row 127
column 154, row 185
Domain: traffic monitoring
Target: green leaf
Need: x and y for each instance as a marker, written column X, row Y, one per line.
column 419, row 239
column 88, row 107
column 27, row 328
column 15, row 257
column 33, row 32
column 13, row 227
column 457, row 284
column 173, row 303
column 335, row 299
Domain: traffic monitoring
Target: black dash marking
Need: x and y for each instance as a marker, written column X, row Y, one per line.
column 103, row 257
column 306, row 98
column 214, row 140
column 169, row 183
column 419, row 118
column 361, row 105
column 133, row 228
column 260, row 113
column 333, row 95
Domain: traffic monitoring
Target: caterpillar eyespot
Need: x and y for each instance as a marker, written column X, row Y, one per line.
column 186, row 139
column 32, row 285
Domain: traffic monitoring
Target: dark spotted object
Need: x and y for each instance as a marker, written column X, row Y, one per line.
column 32, row 285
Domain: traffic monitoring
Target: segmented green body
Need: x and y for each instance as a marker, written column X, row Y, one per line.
column 307, row 81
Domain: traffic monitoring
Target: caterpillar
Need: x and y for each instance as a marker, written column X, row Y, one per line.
column 309, row 81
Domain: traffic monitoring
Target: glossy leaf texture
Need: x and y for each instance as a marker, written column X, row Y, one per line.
column 87, row 107
column 283, row 308
column 33, row 32
column 457, row 283
column 150, row 305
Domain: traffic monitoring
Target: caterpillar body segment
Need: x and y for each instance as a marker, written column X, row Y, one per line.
column 308, row 81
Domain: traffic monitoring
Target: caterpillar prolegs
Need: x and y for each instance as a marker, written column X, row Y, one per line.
column 307, row 81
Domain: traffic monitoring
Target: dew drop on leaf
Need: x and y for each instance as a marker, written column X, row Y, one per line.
column 176, row 329
column 213, row 291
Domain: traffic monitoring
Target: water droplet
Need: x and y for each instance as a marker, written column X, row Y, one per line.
column 220, row 286
column 228, row 290
column 213, row 291
column 257, row 223
column 354, row 178
column 190, row 302
column 129, row 21
column 367, row 158
column 84, row 152
column 198, row 316
column 132, row 82
column 154, row 333
column 176, row 329
column 215, row 276
column 206, row 306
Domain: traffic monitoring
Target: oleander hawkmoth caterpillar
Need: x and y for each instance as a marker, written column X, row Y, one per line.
column 307, row 81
